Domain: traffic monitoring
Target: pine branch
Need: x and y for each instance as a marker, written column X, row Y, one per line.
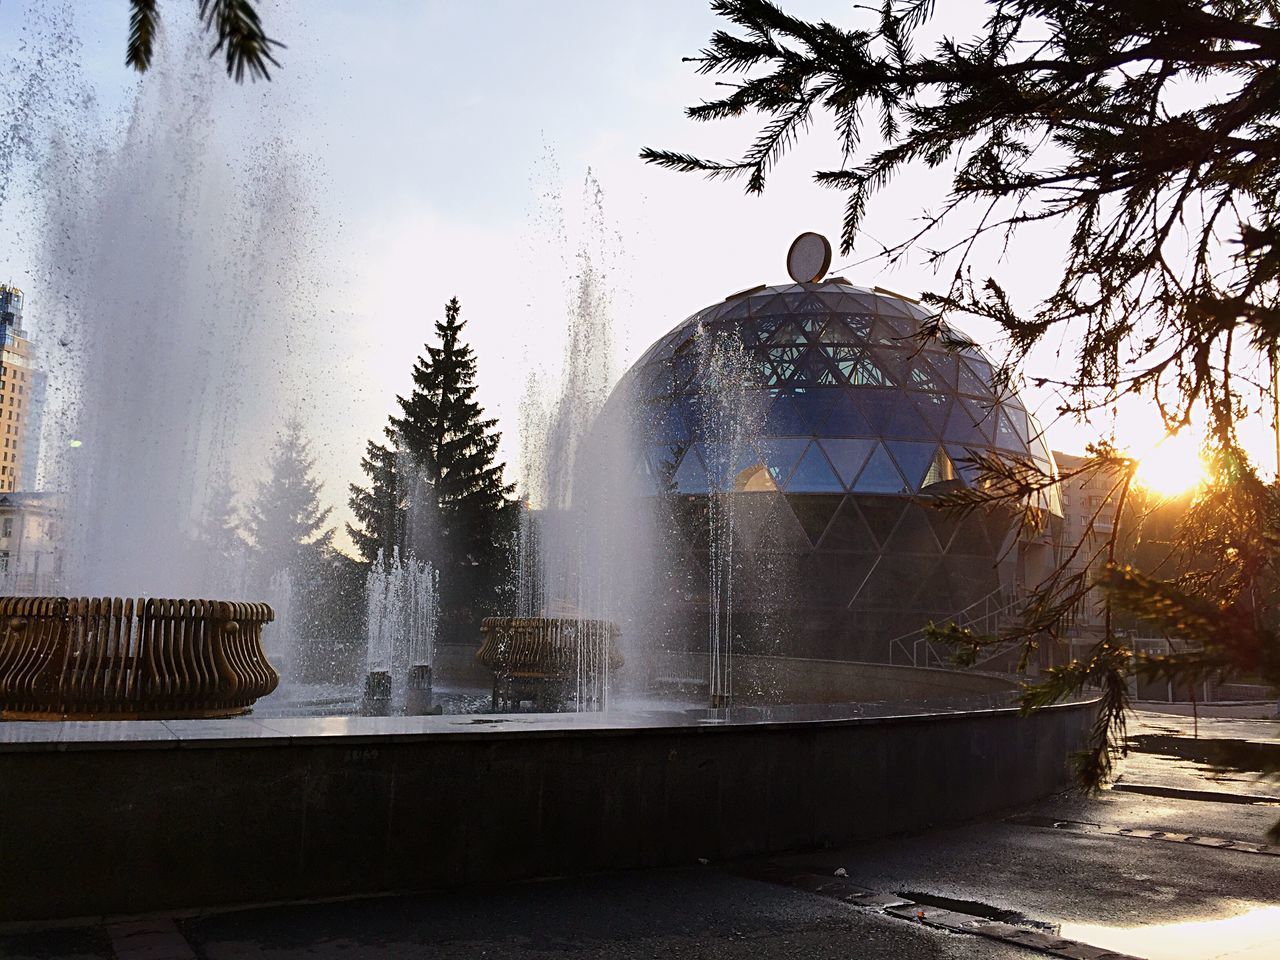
column 240, row 34
column 144, row 23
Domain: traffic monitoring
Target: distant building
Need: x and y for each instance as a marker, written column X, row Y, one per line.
column 30, row 563
column 22, row 390
column 1088, row 509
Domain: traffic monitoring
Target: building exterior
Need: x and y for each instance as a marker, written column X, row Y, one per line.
column 21, row 397
column 1088, row 511
column 30, row 563
column 819, row 418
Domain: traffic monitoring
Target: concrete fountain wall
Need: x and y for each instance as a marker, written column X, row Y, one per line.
column 117, row 818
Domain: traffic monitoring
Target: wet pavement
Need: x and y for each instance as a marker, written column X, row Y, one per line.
column 1179, row 870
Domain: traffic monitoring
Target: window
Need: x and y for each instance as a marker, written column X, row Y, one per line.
column 4, row 561
column 6, row 527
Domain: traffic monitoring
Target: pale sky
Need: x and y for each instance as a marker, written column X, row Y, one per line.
column 431, row 130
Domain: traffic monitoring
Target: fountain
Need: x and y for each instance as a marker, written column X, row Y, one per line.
column 780, row 439
column 401, row 621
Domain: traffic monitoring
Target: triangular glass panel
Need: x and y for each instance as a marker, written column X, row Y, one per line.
column 913, row 459
column 737, row 309
column 1006, row 436
column 751, row 512
column 970, row 383
column 788, row 333
column 848, row 455
column 790, row 353
column 766, row 325
column 814, row 407
column 877, row 406
column 906, row 421
column 892, row 306
column 691, row 477
column 936, row 593
column 845, row 419
column 642, row 479
column 812, row 324
column 1018, row 417
column 944, row 365
column 982, row 415
column 846, row 329
column 671, row 428
column 913, row 534
column 813, row 513
column 780, row 457
column 855, row 573
column 754, row 477
column 813, row 303
column 887, row 333
column 960, row 427
column 935, row 410
column 945, row 525
column 881, row 516
column 663, row 461
column 1001, row 527
column 684, row 366
column 941, row 470
column 922, row 375
column 847, row 530
column 880, row 475
column 1054, row 497
column 783, row 532
column 818, row 370
column 813, row 474
column 981, row 369
column 971, row 538
column 796, row 300
column 720, row 458
column 769, row 309
column 968, row 472
column 784, row 420
column 771, row 376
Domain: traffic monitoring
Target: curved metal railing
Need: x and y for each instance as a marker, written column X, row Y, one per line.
column 112, row 658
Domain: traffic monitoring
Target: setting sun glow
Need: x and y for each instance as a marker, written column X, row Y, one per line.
column 1171, row 466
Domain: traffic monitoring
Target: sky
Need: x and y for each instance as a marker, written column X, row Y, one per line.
column 435, row 132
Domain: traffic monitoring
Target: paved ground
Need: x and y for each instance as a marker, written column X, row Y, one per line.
column 1060, row 871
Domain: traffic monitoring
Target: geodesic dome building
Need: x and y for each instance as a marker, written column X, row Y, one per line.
column 841, row 418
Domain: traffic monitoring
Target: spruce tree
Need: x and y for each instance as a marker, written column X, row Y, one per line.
column 218, row 530
column 379, row 508
column 440, row 472
column 285, row 518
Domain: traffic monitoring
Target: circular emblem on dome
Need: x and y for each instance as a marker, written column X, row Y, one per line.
column 809, row 258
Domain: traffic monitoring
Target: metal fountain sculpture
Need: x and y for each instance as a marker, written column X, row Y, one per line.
column 107, row 658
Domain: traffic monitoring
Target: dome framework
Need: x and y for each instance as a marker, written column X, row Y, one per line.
column 857, row 411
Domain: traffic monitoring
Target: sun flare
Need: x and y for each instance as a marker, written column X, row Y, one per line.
column 1171, row 466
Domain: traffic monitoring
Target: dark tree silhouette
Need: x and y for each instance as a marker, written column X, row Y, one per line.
column 285, row 518
column 455, row 509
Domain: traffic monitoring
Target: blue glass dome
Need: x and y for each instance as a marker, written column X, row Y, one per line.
column 862, row 409
column 855, row 398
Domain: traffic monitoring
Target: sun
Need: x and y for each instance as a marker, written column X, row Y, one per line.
column 1171, row 466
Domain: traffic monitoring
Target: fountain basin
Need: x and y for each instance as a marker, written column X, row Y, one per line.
column 107, row 658
column 333, row 807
